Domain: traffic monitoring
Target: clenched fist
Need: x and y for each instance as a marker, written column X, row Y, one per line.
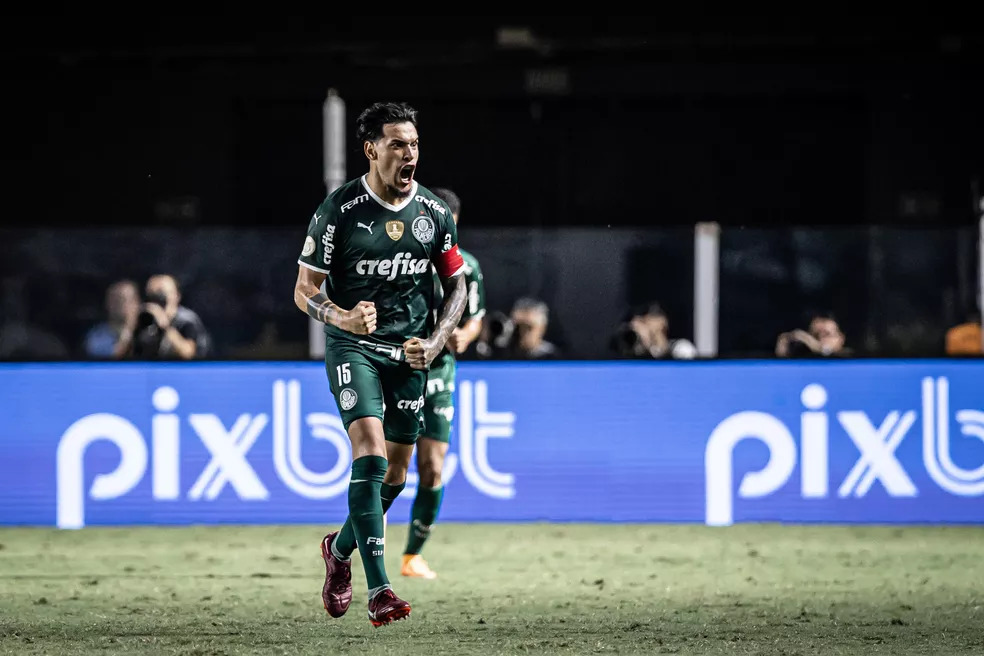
column 420, row 352
column 360, row 320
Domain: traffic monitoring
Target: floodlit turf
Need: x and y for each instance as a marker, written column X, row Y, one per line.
column 517, row 589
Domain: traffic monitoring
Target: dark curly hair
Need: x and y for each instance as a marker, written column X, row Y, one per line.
column 369, row 126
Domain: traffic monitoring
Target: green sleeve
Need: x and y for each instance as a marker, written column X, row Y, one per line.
column 475, row 282
column 321, row 239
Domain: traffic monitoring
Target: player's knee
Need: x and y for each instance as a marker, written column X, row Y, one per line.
column 366, row 435
column 430, row 470
column 396, row 473
column 432, row 480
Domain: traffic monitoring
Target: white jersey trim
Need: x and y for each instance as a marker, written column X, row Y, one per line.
column 312, row 267
column 391, row 208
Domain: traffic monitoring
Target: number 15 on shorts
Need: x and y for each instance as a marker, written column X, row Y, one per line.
column 344, row 374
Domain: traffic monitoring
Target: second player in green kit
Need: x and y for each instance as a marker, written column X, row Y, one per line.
column 373, row 244
column 432, row 447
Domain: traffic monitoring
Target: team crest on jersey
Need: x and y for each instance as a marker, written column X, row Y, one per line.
column 348, row 398
column 423, row 229
column 394, row 230
column 308, row 246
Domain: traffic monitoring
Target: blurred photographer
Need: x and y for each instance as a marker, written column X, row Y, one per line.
column 519, row 336
column 823, row 339
column 495, row 336
column 111, row 339
column 166, row 330
column 645, row 334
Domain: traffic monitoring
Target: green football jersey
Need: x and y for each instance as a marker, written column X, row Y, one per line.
column 374, row 251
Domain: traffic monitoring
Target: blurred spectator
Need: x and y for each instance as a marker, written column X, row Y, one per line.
column 645, row 334
column 530, row 318
column 519, row 336
column 111, row 339
column 823, row 339
column 166, row 330
column 965, row 338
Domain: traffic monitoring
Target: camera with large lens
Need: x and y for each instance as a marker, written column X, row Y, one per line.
column 145, row 319
column 626, row 341
column 501, row 329
column 799, row 349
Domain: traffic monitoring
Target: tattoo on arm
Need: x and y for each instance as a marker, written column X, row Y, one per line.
column 454, row 305
column 322, row 308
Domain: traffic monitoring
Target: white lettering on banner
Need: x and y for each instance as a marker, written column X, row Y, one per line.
column 228, row 463
column 287, row 445
column 936, row 444
column 719, row 471
column 476, row 426
column 166, row 429
column 71, row 449
column 876, row 445
column 229, row 448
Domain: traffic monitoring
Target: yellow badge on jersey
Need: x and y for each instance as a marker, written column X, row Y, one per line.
column 394, row 230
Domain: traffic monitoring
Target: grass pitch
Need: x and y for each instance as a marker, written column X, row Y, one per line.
column 513, row 589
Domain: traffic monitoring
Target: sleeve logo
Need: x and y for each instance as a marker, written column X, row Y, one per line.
column 308, row 246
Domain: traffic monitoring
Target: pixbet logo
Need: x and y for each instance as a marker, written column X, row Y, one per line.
column 876, row 444
column 229, row 448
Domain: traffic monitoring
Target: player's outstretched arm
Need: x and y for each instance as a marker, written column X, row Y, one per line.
column 464, row 335
column 421, row 352
column 308, row 297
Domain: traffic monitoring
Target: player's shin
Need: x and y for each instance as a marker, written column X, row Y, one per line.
column 426, row 505
column 366, row 517
column 345, row 545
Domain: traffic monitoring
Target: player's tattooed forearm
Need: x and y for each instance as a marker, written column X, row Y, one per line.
column 452, row 310
column 321, row 308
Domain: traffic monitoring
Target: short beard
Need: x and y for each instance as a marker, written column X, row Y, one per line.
column 399, row 193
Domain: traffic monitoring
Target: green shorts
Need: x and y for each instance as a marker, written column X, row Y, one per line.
column 366, row 383
column 439, row 402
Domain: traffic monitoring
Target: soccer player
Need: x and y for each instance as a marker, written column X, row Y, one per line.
column 372, row 242
column 432, row 447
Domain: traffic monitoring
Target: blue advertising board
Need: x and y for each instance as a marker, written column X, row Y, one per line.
column 710, row 442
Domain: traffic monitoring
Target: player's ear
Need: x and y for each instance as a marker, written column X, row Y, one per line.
column 370, row 149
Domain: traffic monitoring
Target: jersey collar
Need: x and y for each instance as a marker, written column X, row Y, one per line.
column 391, row 208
